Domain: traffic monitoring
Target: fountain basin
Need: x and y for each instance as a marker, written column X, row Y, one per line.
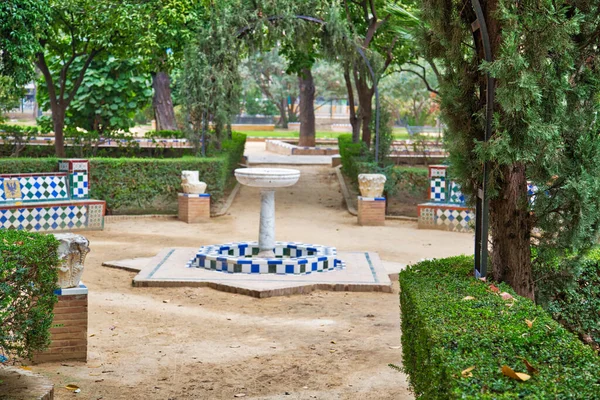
column 290, row 258
column 267, row 177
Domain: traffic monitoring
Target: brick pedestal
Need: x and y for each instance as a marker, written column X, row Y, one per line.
column 194, row 208
column 371, row 211
column 68, row 334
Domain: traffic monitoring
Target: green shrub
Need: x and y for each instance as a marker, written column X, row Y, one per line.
column 443, row 334
column 165, row 134
column 570, row 291
column 145, row 185
column 28, row 278
column 351, row 154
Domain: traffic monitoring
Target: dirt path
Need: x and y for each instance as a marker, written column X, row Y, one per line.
column 183, row 343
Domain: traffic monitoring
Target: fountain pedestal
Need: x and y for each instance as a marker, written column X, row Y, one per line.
column 267, row 179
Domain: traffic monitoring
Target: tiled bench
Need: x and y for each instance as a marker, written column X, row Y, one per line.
column 446, row 208
column 51, row 201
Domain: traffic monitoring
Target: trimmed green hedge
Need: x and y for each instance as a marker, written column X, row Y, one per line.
column 352, row 154
column 145, row 185
column 571, row 293
column 28, row 277
column 443, row 334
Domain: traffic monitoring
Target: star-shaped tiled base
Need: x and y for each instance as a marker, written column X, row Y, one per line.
column 364, row 272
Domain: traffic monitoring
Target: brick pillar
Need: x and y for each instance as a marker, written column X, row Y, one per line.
column 68, row 333
column 194, row 208
column 371, row 211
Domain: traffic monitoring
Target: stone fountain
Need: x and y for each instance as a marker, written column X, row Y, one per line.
column 267, row 256
column 267, row 179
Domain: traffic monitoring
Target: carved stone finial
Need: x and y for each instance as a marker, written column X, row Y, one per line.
column 371, row 185
column 71, row 252
column 190, row 182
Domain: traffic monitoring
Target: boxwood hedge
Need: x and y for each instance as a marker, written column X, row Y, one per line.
column 145, row 185
column 444, row 334
column 28, row 278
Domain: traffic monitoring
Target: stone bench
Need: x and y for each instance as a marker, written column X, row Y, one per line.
column 446, row 208
column 50, row 201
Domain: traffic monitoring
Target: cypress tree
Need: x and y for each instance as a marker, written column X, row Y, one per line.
column 545, row 127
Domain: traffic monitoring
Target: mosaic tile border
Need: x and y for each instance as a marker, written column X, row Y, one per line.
column 194, row 195
column 239, row 258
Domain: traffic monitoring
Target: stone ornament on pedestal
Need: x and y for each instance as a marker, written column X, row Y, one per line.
column 71, row 252
column 371, row 185
column 190, row 182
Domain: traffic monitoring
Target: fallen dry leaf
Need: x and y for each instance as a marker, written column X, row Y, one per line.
column 494, row 288
column 467, row 372
column 72, row 387
column 530, row 368
column 468, row 298
column 530, row 323
column 506, row 296
column 519, row 376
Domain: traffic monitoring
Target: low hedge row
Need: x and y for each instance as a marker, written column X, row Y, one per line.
column 571, row 293
column 28, row 277
column 445, row 332
column 356, row 160
column 145, row 185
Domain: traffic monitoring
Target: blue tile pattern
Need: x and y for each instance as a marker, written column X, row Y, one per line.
column 290, row 258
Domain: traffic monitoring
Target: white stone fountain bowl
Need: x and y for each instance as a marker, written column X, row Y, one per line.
column 267, row 177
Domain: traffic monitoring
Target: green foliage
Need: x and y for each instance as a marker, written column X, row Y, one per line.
column 15, row 137
column 28, row 276
column 165, row 134
column 351, row 154
column 10, row 95
column 21, row 24
column 107, row 101
column 569, row 289
column 145, row 185
column 545, row 128
column 444, row 334
column 210, row 82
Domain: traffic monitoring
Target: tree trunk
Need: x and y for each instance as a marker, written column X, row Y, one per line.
column 354, row 120
column 366, row 113
column 162, row 102
column 291, row 109
column 307, row 108
column 58, row 122
column 511, row 225
column 283, row 119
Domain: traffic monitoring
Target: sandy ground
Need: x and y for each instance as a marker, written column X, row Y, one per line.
column 184, row 343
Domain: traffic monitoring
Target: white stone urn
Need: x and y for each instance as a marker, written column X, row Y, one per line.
column 72, row 251
column 190, row 182
column 371, row 185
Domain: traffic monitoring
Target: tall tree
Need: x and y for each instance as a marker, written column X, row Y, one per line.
column 111, row 93
column 79, row 30
column 267, row 70
column 168, row 27
column 546, row 66
column 210, row 81
column 373, row 27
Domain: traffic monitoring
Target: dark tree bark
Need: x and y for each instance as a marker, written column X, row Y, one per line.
column 307, row 108
column 60, row 99
column 282, row 107
column 365, row 103
column 354, row 121
column 511, row 225
column 162, row 102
